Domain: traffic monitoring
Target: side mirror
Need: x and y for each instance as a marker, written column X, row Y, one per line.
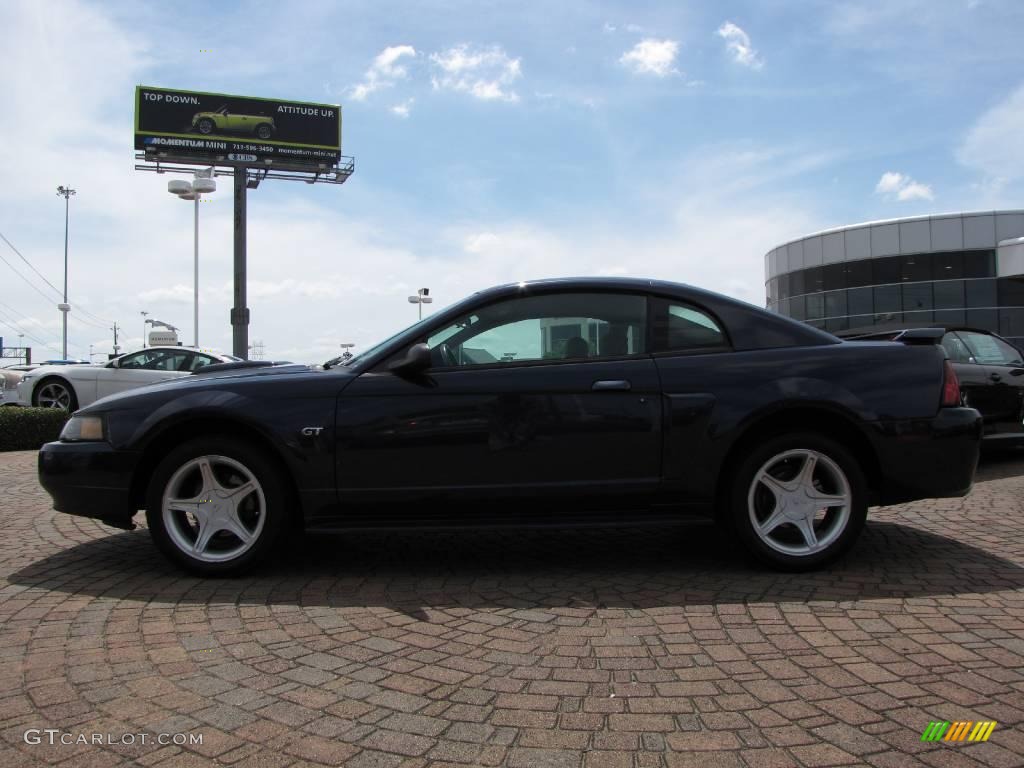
column 416, row 361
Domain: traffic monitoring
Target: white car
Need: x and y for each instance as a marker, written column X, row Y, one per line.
column 74, row 386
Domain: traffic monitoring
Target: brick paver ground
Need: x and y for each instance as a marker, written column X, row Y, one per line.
column 584, row 649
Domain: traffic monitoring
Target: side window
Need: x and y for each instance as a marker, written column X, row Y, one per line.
column 167, row 361
column 566, row 326
column 135, row 361
column 988, row 350
column 200, row 360
column 956, row 349
column 690, row 328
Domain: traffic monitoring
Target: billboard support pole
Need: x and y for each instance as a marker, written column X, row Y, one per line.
column 240, row 312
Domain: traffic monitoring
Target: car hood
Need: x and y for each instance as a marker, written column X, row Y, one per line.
column 144, row 396
column 77, row 372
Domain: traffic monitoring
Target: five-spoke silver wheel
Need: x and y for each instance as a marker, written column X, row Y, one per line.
column 54, row 394
column 799, row 502
column 213, row 508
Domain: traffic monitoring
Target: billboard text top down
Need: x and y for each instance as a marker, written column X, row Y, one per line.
column 236, row 128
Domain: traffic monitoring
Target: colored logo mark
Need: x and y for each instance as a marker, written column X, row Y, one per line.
column 960, row 730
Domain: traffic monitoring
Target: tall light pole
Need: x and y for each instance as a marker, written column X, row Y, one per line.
column 143, row 313
column 203, row 182
column 422, row 297
column 64, row 307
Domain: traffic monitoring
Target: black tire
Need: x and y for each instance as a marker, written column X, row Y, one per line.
column 264, row 130
column 271, row 483
column 747, row 501
column 205, row 126
column 48, row 385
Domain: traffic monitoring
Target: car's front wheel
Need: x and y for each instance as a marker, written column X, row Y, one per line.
column 264, row 131
column 205, row 125
column 55, row 392
column 216, row 506
column 798, row 501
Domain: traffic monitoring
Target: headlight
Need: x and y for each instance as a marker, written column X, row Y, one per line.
column 81, row 428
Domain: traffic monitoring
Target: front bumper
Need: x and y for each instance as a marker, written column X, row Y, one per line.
column 928, row 458
column 89, row 480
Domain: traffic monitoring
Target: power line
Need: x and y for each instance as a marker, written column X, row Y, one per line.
column 41, row 275
column 78, row 307
column 21, row 331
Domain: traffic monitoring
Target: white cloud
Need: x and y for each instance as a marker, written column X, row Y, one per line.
column 384, row 72
column 402, row 109
column 608, row 28
column 737, row 42
column 484, row 73
column 896, row 185
column 652, row 57
column 993, row 145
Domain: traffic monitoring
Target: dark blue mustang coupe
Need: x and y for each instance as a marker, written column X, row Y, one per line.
column 549, row 403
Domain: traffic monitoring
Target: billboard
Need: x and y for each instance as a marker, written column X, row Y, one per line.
column 237, row 129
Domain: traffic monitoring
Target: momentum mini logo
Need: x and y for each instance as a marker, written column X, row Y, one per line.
column 960, row 730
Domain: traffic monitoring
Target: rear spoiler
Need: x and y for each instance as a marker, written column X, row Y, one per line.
column 921, row 336
column 909, row 336
column 236, row 366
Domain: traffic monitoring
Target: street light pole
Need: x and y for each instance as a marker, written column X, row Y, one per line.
column 202, row 181
column 422, row 297
column 143, row 313
column 66, row 193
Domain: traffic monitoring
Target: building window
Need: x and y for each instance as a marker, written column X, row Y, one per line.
column 815, row 306
column 1010, row 291
column 888, row 303
column 950, row 317
column 949, row 294
column 859, row 301
column 1011, row 322
column 980, row 293
column 798, row 308
column 835, row 304
column 887, row 270
column 858, row 273
column 986, row 319
column 947, row 266
column 979, row 263
column 916, row 268
column 833, row 276
column 917, row 296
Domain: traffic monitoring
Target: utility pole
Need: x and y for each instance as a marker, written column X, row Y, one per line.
column 240, row 312
column 116, row 348
column 64, row 307
column 143, row 313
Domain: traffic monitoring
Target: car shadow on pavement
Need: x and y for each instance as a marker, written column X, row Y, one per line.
column 613, row 568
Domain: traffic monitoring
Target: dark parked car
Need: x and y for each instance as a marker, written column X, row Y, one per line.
column 558, row 402
column 990, row 370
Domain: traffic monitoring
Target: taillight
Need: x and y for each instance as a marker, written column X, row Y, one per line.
column 950, row 387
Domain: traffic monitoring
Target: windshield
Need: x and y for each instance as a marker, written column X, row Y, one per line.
column 380, row 345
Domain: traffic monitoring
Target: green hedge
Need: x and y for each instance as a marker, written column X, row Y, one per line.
column 26, row 429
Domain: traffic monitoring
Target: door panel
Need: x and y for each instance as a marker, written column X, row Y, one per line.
column 507, row 430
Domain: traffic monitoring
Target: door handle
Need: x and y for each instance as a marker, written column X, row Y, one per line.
column 995, row 376
column 612, row 385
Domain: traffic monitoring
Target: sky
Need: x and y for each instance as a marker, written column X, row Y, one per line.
column 493, row 142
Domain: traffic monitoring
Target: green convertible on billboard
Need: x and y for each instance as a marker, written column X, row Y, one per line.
column 218, row 126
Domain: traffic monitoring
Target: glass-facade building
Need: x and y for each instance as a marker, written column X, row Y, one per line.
column 955, row 269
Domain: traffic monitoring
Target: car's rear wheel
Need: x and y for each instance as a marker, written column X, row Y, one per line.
column 264, row 131
column 798, row 501
column 55, row 392
column 216, row 506
column 205, row 125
